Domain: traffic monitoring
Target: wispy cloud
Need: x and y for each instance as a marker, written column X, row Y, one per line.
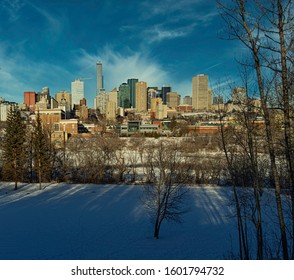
column 158, row 33
column 118, row 67
column 12, row 7
column 164, row 7
column 170, row 19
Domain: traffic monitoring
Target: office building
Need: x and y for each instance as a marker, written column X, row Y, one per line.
column 64, row 101
column 30, row 99
column 158, row 110
column 110, row 110
column 132, row 84
column 187, row 100
column 141, row 96
column 112, row 96
column 5, row 108
column 173, row 99
column 152, row 92
column 100, row 101
column 99, row 76
column 164, row 90
column 124, row 95
column 201, row 95
column 77, row 92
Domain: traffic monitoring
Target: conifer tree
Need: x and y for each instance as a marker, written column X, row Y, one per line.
column 41, row 152
column 13, row 147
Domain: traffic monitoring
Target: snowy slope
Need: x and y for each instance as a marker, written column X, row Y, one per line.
column 108, row 222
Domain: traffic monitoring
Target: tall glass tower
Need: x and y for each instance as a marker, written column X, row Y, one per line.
column 99, row 76
column 164, row 90
column 132, row 84
column 124, row 95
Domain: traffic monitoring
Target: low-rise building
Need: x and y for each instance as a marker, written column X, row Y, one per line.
column 133, row 127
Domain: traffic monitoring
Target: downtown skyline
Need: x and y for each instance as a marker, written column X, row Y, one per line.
column 52, row 43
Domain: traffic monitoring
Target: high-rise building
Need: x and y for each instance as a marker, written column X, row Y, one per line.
column 100, row 101
column 30, row 99
column 44, row 100
column 110, row 111
column 132, row 84
column 99, row 76
column 141, row 96
column 64, row 101
column 187, row 100
column 152, row 92
column 172, row 99
column 164, row 90
column 111, row 105
column 201, row 98
column 112, row 96
column 77, row 92
column 124, row 95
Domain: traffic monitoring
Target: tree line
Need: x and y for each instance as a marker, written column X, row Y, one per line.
column 26, row 150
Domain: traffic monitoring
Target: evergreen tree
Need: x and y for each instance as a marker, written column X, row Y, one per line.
column 41, row 152
column 13, row 147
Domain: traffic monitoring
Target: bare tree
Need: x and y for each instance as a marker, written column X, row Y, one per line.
column 278, row 29
column 166, row 173
column 244, row 24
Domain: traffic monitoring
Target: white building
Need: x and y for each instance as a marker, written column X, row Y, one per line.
column 4, row 109
column 77, row 92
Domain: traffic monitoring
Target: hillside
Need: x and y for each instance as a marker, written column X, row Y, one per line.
column 109, row 222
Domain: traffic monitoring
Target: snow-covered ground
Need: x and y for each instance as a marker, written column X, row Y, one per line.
column 78, row 221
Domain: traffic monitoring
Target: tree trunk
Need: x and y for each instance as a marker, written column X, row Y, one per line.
column 40, row 174
column 156, row 228
column 286, row 110
column 15, row 174
column 269, row 137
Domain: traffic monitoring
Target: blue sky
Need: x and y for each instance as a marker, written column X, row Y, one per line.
column 50, row 43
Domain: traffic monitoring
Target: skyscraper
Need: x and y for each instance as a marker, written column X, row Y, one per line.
column 164, row 90
column 99, row 76
column 124, row 96
column 77, row 92
column 132, row 84
column 201, row 97
column 141, row 96
column 100, row 101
